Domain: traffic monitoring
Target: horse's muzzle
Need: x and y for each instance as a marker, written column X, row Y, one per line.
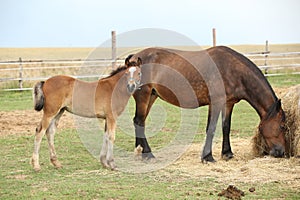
column 277, row 151
column 131, row 88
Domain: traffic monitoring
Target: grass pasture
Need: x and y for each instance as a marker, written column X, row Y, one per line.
column 82, row 176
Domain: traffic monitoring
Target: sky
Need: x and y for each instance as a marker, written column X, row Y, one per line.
column 88, row 23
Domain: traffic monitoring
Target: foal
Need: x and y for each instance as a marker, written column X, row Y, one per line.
column 105, row 99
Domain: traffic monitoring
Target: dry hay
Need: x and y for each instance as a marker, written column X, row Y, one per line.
column 291, row 105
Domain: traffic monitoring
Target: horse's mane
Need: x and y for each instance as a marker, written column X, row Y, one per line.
column 119, row 69
column 124, row 67
column 116, row 71
column 250, row 65
column 274, row 109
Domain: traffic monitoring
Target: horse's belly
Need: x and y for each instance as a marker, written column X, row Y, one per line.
column 83, row 112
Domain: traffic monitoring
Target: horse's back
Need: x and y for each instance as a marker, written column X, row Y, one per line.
column 56, row 82
column 222, row 57
column 217, row 67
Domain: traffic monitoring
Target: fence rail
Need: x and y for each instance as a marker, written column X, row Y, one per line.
column 22, row 71
column 18, row 72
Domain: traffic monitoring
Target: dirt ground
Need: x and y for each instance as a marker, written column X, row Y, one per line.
column 25, row 122
column 244, row 167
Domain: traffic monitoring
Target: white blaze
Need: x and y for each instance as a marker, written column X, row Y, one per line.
column 132, row 70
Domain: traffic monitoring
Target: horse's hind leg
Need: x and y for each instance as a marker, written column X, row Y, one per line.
column 50, row 133
column 40, row 131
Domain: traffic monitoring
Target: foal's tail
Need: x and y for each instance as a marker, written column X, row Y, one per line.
column 38, row 96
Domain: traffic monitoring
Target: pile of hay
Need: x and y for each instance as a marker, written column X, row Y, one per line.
column 290, row 100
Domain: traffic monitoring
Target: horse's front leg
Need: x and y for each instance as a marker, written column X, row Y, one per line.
column 106, row 154
column 144, row 100
column 226, row 122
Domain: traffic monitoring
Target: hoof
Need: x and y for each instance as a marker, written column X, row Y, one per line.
column 105, row 165
column 108, row 164
column 36, row 165
column 104, row 162
column 37, row 168
column 56, row 164
column 138, row 150
column 111, row 165
column 114, row 168
column 208, row 158
column 148, row 156
column 227, row 156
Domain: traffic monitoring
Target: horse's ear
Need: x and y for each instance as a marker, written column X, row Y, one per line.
column 275, row 109
column 127, row 59
column 278, row 105
column 139, row 61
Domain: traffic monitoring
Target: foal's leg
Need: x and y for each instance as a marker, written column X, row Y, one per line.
column 40, row 132
column 214, row 111
column 226, row 122
column 144, row 101
column 50, row 133
column 106, row 155
column 103, row 152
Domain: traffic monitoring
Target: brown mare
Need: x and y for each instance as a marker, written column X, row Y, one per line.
column 105, row 99
column 218, row 77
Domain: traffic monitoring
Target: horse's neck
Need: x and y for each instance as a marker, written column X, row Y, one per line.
column 261, row 99
column 120, row 95
column 120, row 83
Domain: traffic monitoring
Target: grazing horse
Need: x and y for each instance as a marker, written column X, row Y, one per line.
column 218, row 77
column 105, row 99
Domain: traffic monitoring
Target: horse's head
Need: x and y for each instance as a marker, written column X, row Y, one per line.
column 272, row 128
column 134, row 74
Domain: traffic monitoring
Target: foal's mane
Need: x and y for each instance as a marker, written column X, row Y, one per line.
column 116, row 71
column 119, row 69
column 124, row 67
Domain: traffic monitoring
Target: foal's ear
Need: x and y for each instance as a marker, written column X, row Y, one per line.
column 139, row 61
column 127, row 59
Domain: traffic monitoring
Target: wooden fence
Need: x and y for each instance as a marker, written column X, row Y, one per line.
column 21, row 74
column 14, row 74
column 276, row 64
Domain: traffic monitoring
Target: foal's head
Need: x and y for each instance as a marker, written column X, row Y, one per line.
column 133, row 73
column 272, row 127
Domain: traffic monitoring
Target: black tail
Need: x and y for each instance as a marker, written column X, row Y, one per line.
column 38, row 96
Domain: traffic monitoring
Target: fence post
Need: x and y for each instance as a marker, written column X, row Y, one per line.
column 266, row 56
column 113, row 49
column 20, row 74
column 214, row 37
